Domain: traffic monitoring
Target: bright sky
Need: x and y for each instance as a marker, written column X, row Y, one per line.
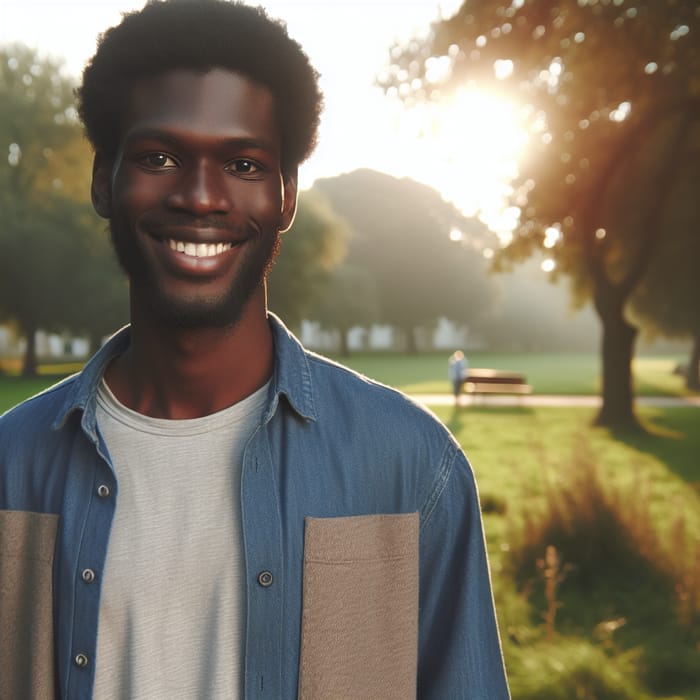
column 466, row 151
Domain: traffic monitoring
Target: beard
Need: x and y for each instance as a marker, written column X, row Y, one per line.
column 215, row 311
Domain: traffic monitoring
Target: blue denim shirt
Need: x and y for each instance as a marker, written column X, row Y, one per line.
column 331, row 444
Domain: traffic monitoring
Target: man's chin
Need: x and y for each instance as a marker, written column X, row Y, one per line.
column 193, row 315
column 168, row 303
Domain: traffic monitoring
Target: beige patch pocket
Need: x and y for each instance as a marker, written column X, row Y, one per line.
column 359, row 634
column 27, row 542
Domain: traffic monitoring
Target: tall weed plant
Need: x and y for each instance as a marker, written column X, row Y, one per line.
column 594, row 564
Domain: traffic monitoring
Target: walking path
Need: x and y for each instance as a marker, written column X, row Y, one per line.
column 548, row 400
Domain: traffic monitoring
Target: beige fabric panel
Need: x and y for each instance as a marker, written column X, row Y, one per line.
column 27, row 542
column 360, row 608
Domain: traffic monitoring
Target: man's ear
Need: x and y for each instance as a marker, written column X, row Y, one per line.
column 101, row 188
column 289, row 205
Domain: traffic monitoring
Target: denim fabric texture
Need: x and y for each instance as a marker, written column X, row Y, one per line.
column 331, row 444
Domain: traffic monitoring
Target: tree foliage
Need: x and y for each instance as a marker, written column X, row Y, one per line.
column 349, row 299
column 666, row 300
column 310, row 251
column 401, row 238
column 44, row 213
column 610, row 91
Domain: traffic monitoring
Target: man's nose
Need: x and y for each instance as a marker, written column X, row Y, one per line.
column 201, row 189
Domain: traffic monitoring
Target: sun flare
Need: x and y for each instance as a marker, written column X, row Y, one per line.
column 468, row 149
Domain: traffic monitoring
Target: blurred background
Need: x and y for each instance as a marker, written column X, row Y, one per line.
column 515, row 179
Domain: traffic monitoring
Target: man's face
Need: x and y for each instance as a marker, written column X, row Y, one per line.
column 195, row 196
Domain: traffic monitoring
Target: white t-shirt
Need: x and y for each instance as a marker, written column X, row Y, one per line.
column 172, row 610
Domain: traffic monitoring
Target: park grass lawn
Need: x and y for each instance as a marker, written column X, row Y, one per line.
column 517, row 452
column 521, row 456
column 16, row 389
column 547, row 373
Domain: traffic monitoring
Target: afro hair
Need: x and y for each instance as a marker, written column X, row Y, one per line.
column 200, row 35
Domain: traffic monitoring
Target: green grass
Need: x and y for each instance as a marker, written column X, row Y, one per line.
column 16, row 389
column 516, row 451
column 524, row 458
column 547, row 373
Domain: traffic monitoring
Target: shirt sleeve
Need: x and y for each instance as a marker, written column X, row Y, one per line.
column 459, row 651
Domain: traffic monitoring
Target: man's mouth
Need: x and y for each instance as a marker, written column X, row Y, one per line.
column 198, row 250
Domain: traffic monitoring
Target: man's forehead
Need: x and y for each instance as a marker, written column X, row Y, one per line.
column 215, row 100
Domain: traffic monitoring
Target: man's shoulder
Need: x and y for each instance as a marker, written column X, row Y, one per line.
column 52, row 405
column 387, row 436
column 336, row 384
column 335, row 376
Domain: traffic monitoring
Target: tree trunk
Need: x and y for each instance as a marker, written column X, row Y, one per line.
column 609, row 297
column 29, row 364
column 410, row 336
column 617, row 410
column 344, row 347
column 692, row 379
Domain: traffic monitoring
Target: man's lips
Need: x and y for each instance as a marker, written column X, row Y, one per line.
column 198, row 242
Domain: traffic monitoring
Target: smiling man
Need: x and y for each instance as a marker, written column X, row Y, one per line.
column 208, row 510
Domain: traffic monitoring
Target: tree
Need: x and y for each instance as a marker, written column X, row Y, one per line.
column 310, row 251
column 47, row 227
column 401, row 237
column 348, row 300
column 612, row 94
column 37, row 286
column 104, row 289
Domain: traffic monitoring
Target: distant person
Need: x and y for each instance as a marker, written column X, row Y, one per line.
column 207, row 510
column 457, row 371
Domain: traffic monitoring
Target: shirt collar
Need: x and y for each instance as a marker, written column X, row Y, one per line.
column 291, row 378
column 83, row 392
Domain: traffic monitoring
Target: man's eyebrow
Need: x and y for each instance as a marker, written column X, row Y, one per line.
column 151, row 134
column 171, row 137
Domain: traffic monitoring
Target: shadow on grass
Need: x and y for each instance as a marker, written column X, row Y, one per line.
column 613, row 578
column 672, row 435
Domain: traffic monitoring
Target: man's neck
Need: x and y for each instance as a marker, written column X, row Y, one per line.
column 177, row 373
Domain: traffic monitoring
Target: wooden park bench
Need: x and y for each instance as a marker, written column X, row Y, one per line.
column 495, row 381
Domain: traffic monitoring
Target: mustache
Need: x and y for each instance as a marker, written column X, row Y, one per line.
column 176, row 220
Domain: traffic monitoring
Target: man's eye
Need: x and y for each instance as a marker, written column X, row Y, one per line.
column 157, row 161
column 243, row 166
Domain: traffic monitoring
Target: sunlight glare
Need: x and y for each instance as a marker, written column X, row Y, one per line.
column 551, row 236
column 621, row 113
column 468, row 150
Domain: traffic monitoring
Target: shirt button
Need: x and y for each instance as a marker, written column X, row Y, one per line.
column 81, row 661
column 103, row 490
column 88, row 575
column 265, row 579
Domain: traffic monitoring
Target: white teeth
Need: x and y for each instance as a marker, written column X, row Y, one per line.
column 199, row 250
